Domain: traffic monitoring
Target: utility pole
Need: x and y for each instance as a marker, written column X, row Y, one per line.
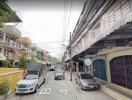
column 70, row 59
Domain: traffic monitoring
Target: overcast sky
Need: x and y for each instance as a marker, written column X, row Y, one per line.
column 44, row 22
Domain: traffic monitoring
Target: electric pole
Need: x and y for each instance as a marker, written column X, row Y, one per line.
column 70, row 59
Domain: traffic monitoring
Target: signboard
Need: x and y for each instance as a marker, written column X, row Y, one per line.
column 88, row 61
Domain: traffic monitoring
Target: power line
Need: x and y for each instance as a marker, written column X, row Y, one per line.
column 65, row 19
column 67, row 24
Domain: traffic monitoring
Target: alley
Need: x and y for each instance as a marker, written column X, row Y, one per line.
column 61, row 90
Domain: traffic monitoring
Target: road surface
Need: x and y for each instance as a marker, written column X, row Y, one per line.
column 61, row 90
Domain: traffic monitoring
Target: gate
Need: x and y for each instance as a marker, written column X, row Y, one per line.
column 99, row 67
column 121, row 71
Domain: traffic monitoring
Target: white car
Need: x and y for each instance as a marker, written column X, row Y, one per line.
column 29, row 84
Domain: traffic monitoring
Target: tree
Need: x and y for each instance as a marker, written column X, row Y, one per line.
column 5, row 11
column 23, row 63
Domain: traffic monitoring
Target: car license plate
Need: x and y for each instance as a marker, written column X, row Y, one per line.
column 91, row 86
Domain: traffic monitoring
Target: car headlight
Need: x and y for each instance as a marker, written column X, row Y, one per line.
column 28, row 85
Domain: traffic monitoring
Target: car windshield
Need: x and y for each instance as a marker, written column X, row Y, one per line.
column 31, row 77
column 86, row 76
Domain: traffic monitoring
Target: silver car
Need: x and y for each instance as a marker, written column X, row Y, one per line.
column 86, row 81
column 59, row 75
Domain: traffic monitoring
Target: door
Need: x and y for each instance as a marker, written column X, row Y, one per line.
column 99, row 69
column 121, row 71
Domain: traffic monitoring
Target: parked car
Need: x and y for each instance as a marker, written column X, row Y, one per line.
column 52, row 68
column 59, row 75
column 86, row 81
column 33, row 80
column 29, row 84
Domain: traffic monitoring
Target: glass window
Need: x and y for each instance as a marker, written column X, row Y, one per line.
column 86, row 76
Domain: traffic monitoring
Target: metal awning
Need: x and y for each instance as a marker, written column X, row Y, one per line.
column 48, row 62
column 118, row 38
column 2, row 57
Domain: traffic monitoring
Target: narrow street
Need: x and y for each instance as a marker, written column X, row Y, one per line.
column 61, row 90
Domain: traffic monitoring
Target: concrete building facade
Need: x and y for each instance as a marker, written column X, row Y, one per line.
column 103, row 34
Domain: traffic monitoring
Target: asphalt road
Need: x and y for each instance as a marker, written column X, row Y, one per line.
column 61, row 90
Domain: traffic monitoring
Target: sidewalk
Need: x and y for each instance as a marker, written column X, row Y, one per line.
column 79, row 94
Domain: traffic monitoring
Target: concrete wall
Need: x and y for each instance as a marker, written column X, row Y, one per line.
column 11, row 75
column 112, row 53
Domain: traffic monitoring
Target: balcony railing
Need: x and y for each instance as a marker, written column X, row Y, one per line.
column 10, row 29
column 15, row 45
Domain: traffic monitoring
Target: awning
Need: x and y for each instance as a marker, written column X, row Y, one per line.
column 2, row 57
column 36, row 60
column 43, row 62
column 48, row 62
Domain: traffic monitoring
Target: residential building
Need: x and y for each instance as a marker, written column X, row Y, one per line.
column 25, row 47
column 8, row 42
column 103, row 34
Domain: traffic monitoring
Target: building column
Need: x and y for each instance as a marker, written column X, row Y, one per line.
column 77, row 67
column 4, row 37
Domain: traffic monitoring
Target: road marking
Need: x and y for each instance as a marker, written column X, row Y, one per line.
column 63, row 91
column 49, row 85
column 49, row 82
column 45, row 91
column 62, row 83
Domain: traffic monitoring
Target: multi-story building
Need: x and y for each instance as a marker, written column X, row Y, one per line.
column 104, row 34
column 25, row 47
column 8, row 42
column 12, row 45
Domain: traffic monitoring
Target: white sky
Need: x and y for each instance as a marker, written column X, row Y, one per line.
column 43, row 23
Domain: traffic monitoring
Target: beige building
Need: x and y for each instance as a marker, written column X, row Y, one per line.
column 12, row 45
column 8, row 42
column 105, row 37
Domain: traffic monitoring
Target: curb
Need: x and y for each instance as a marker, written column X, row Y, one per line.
column 3, row 97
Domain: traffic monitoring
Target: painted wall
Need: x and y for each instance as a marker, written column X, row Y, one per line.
column 12, row 75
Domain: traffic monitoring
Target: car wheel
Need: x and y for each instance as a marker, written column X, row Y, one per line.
column 36, row 88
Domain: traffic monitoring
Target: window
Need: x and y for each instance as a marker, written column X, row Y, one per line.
column 1, row 36
column 0, row 50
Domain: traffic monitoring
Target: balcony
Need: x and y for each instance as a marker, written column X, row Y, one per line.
column 13, row 56
column 10, row 29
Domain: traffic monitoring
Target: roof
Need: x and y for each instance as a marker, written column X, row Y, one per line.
column 12, row 17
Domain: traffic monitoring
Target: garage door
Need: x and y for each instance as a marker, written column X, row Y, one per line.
column 99, row 67
column 121, row 71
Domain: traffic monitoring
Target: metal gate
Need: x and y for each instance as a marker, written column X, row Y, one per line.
column 121, row 71
column 99, row 67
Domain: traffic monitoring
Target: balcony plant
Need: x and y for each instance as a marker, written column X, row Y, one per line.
column 5, row 11
column 4, row 87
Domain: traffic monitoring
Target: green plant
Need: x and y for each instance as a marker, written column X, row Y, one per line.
column 23, row 61
column 5, row 11
column 4, row 87
column 6, row 64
